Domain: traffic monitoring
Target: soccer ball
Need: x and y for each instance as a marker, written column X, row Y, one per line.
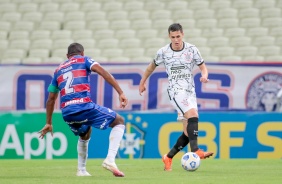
column 190, row 161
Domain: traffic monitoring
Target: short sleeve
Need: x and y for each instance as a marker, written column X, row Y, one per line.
column 197, row 56
column 53, row 87
column 159, row 57
column 89, row 62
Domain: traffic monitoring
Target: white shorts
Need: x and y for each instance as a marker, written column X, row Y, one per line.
column 183, row 101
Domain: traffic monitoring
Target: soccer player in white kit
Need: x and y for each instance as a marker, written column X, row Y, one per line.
column 179, row 59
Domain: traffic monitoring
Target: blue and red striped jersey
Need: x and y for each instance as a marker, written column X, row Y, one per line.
column 72, row 80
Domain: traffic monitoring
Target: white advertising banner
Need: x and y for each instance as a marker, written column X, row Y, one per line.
column 231, row 86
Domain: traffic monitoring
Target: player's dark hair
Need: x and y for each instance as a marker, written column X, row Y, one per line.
column 175, row 27
column 74, row 49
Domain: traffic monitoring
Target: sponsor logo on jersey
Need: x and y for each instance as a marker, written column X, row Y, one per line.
column 103, row 124
column 262, row 92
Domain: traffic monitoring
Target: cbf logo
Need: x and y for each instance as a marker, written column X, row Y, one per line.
column 132, row 144
column 263, row 92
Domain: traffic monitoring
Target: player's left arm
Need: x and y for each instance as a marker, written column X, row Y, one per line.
column 204, row 72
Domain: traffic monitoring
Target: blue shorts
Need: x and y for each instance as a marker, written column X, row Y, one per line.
column 99, row 117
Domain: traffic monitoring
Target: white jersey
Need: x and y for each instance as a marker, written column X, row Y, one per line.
column 179, row 66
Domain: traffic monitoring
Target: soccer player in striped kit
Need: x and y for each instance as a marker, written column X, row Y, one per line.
column 71, row 80
column 179, row 59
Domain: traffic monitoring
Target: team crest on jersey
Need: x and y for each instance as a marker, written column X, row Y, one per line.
column 132, row 144
column 262, row 92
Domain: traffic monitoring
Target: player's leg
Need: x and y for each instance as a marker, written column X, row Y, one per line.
column 115, row 138
column 192, row 130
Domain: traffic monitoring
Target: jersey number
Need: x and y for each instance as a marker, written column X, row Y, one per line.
column 69, row 77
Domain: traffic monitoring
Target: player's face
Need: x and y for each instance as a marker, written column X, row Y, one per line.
column 176, row 39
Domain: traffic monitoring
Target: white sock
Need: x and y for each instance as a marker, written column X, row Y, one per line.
column 114, row 141
column 82, row 150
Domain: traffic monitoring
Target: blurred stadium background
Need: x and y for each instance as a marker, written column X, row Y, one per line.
column 38, row 31
column 239, row 39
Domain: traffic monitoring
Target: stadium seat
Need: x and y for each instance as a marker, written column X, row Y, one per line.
column 112, row 52
column 15, row 53
column 101, row 59
column 35, row 17
column 192, row 33
column 238, row 4
column 264, row 4
column 40, row 34
column 5, row 25
column 74, row 16
column 160, row 14
column 90, row 6
column 198, row 41
column 176, row 5
column 92, row 52
column 253, row 58
column 222, row 51
column 228, row 23
column 129, row 43
column 19, row 44
column 69, row 7
column 230, row 58
column 12, row 60
column 119, row 24
column 272, row 22
column 36, row 1
column 11, row 17
column 248, row 13
column 112, row 6
column 182, row 14
column 8, row 7
column 208, row 33
column 4, row 44
column 205, row 51
column 250, row 22
column 62, row 43
column 74, row 25
column 151, row 5
column 134, row 52
column 274, row 58
column 246, row 51
column 103, row 33
column 97, row 24
column 44, row 43
column 27, row 7
column 264, row 41
column 54, row 16
column 141, row 24
column 24, row 26
column 119, row 59
column 154, row 42
column 211, row 58
column 133, row 5
column 206, row 23
column 3, row 35
column 31, row 60
column 59, row 53
column 270, row 12
column 40, row 53
column 219, row 41
column 125, row 33
column 240, row 41
column 108, row 43
column 48, row 7
column 95, row 15
column 257, row 31
column 146, row 33
column 279, row 41
column 117, row 15
column 162, row 24
column 86, row 42
column 141, row 59
column 151, row 52
column 278, row 3
column 54, row 60
column 275, row 31
column 49, row 25
column 138, row 14
column 226, row 13
column 61, row 34
column 62, row 1
column 198, row 5
column 82, row 34
column 17, row 35
column 220, row 4
column 233, row 32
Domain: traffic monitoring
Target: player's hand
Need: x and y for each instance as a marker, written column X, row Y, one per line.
column 47, row 128
column 142, row 88
column 123, row 100
column 204, row 79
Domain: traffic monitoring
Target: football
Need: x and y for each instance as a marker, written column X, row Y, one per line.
column 190, row 161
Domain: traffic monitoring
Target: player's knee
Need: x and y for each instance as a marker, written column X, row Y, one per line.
column 86, row 136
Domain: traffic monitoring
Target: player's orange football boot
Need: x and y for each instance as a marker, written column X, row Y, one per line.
column 167, row 163
column 202, row 154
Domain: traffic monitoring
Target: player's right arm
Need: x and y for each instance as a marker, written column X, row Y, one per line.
column 149, row 70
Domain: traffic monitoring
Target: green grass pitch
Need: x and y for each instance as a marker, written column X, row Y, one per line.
column 142, row 171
